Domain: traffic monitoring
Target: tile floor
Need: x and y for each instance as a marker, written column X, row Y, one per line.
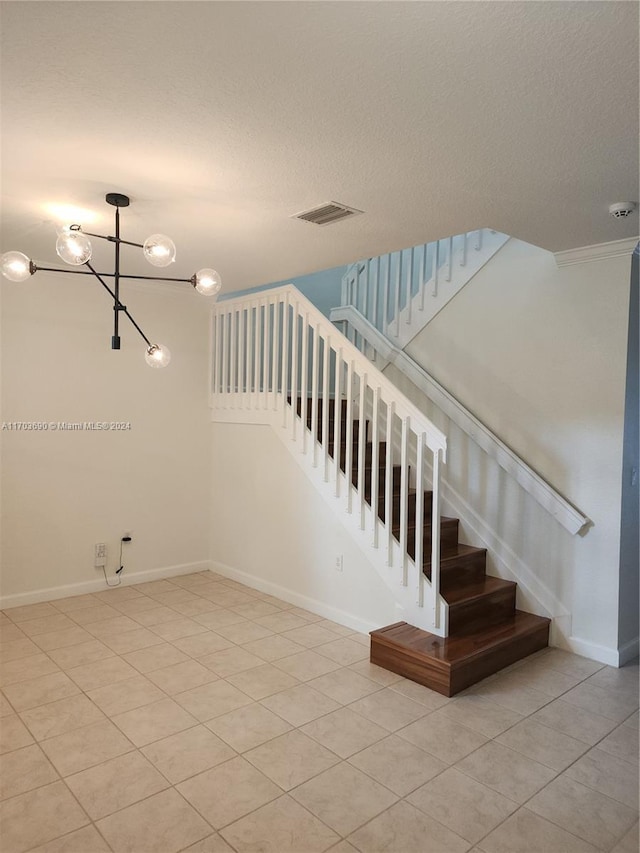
column 197, row 714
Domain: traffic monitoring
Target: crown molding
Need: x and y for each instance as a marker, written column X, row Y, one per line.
column 597, row 252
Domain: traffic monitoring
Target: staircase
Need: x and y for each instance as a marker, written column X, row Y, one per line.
column 486, row 631
column 369, row 451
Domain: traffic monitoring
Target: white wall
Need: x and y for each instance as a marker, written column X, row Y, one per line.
column 538, row 354
column 64, row 491
column 271, row 528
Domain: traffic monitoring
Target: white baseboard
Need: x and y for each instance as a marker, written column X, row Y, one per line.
column 628, row 652
column 84, row 587
column 602, row 654
column 311, row 604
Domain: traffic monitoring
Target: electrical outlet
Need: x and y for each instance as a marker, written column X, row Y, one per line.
column 100, row 555
column 338, row 563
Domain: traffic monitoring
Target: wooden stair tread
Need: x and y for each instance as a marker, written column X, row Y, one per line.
column 450, row 555
column 477, row 589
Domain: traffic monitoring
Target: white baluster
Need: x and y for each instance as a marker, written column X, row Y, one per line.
column 337, row 416
column 362, row 445
column 375, row 463
column 385, row 318
column 463, row 261
column 410, row 286
column 265, row 354
column 388, row 484
column 450, row 259
column 241, row 358
column 398, row 281
column 436, row 269
column 404, row 493
column 326, row 361
column 376, row 279
column 225, row 359
column 233, row 358
column 294, row 368
column 420, row 517
column 314, row 394
column 478, row 240
column 304, row 377
column 284, row 380
column 276, row 346
column 423, row 276
column 435, row 538
column 348, row 468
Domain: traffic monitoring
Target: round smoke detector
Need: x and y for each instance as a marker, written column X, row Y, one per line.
column 621, row 209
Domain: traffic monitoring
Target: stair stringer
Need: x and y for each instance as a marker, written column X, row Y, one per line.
column 359, row 531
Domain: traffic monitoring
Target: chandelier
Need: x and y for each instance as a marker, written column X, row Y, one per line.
column 74, row 247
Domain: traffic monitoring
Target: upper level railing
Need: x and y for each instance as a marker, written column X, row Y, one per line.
column 275, row 355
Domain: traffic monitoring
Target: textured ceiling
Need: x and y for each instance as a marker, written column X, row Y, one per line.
column 222, row 119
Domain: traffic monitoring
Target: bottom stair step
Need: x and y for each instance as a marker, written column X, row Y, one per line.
column 450, row 664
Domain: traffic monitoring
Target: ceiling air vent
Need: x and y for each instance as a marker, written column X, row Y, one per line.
column 327, row 214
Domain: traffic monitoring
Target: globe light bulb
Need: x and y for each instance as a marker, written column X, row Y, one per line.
column 16, row 266
column 74, row 248
column 159, row 250
column 207, row 282
column 157, row 355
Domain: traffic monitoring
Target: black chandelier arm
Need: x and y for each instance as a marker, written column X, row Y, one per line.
column 37, row 268
column 118, row 306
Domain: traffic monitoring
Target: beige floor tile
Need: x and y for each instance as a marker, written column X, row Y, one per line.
column 244, row 632
column 82, row 654
column 116, row 596
column 211, row 844
column 5, row 706
column 404, row 828
column 111, row 627
column 291, row 759
column 132, row 641
column 343, row 847
column 307, row 615
column 229, row 791
column 163, row 822
column 133, row 606
column 544, row 679
column 85, row 840
column 614, row 678
column 623, row 743
column 153, row 722
column 616, row 706
column 525, row 832
column 376, row 673
column 505, row 771
column 168, row 598
column 64, row 715
column 178, row 628
column 189, row 752
column 155, row 657
column 282, row 826
column 115, row 784
column 228, row 598
column 230, row 661
column 389, row 709
column 125, row 695
column 273, row 648
column 609, row 775
column 38, row 691
column 306, row 665
column 629, row 843
column 342, row 630
column 522, row 700
column 202, row 645
column 100, row 673
column 95, row 613
column 429, row 698
column 194, row 608
column 24, row 669
column 182, row 676
column 481, row 715
column 344, row 686
column 549, row 747
column 299, row 705
column 344, row 651
column 153, row 615
column 75, row 602
column 574, row 721
column 39, row 816
column 344, row 798
column 263, row 681
column 77, row 750
column 398, row 764
column 248, row 727
column 60, row 639
column 310, row 635
column 464, row 805
column 30, row 611
column 568, row 663
column 10, row 632
column 13, row 734
column 46, row 625
column 256, row 610
column 211, row 700
column 154, row 587
column 219, row 619
column 281, row 620
column 25, row 769
column 17, row 649
column 591, row 816
column 345, row 732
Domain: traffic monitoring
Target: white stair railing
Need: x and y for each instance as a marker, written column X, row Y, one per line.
column 400, row 292
column 277, row 359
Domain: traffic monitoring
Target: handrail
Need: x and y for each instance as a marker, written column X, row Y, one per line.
column 543, row 492
column 274, row 352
